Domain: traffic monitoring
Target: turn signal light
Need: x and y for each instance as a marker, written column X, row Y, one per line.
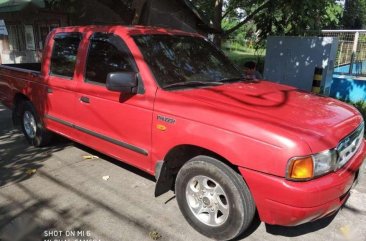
column 301, row 168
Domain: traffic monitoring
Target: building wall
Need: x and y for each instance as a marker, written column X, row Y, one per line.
column 94, row 12
column 169, row 14
column 163, row 13
column 29, row 27
column 27, row 31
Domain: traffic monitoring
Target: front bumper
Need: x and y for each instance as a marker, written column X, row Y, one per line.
column 283, row 202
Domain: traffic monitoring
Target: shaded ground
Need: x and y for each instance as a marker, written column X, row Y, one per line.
column 68, row 192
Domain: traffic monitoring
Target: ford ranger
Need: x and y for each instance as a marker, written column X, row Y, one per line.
column 170, row 103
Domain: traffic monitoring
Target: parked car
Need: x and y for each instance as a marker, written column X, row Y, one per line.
column 171, row 104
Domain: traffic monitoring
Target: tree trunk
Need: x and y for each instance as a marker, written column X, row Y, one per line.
column 217, row 19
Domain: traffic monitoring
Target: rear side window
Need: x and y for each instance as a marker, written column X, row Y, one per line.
column 65, row 49
column 107, row 53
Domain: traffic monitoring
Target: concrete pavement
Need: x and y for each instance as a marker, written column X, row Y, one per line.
column 68, row 199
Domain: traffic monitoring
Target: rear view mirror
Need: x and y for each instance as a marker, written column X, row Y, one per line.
column 122, row 82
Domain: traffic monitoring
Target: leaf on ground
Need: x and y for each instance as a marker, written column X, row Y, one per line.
column 154, row 235
column 105, row 178
column 345, row 230
column 90, row 157
column 30, row 171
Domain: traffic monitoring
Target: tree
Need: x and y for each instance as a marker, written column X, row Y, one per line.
column 270, row 16
column 354, row 16
column 225, row 11
column 295, row 17
column 280, row 17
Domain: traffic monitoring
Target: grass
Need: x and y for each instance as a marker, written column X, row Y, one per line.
column 239, row 55
column 361, row 107
column 239, row 58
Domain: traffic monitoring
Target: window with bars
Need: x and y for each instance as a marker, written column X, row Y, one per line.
column 16, row 37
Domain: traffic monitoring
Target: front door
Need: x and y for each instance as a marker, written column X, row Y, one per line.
column 118, row 124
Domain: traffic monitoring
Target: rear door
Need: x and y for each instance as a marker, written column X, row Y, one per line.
column 115, row 123
column 61, row 82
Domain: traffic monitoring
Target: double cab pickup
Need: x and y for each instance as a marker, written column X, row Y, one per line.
column 170, row 103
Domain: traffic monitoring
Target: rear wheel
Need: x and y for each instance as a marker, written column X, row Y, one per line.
column 32, row 127
column 213, row 198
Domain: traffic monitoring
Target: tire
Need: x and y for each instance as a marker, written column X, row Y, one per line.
column 213, row 198
column 32, row 127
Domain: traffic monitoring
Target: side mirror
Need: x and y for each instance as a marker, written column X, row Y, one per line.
column 122, row 82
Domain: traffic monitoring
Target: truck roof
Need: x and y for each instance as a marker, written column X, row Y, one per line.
column 129, row 30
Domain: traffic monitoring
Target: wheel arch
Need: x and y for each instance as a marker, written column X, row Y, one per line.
column 17, row 107
column 167, row 169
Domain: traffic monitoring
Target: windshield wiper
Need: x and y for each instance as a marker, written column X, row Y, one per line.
column 191, row 83
column 233, row 79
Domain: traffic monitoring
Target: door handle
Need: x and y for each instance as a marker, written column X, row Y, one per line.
column 84, row 99
column 49, row 90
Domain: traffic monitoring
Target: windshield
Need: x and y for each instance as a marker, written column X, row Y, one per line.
column 179, row 60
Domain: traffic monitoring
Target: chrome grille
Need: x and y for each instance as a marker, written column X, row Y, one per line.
column 349, row 145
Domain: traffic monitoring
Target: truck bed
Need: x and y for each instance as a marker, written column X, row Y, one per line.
column 16, row 77
column 25, row 66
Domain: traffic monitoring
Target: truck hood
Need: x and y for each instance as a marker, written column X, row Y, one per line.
column 272, row 109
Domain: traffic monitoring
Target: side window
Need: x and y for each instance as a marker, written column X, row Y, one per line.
column 65, row 49
column 106, row 54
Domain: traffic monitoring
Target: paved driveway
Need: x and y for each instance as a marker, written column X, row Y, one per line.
column 68, row 196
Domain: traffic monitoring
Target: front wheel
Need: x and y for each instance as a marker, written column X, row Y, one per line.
column 213, row 198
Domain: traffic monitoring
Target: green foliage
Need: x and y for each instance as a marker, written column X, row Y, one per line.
column 354, row 14
column 333, row 16
column 294, row 17
column 272, row 17
column 361, row 107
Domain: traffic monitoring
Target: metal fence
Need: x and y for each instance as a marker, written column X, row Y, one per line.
column 351, row 55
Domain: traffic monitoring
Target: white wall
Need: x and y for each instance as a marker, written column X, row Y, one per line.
column 292, row 60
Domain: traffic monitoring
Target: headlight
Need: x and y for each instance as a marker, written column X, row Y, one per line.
column 305, row 168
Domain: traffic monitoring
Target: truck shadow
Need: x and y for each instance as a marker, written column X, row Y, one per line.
column 24, row 218
column 300, row 229
column 17, row 157
column 115, row 161
column 251, row 229
column 31, row 204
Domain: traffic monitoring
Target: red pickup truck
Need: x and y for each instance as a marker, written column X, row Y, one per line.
column 171, row 104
